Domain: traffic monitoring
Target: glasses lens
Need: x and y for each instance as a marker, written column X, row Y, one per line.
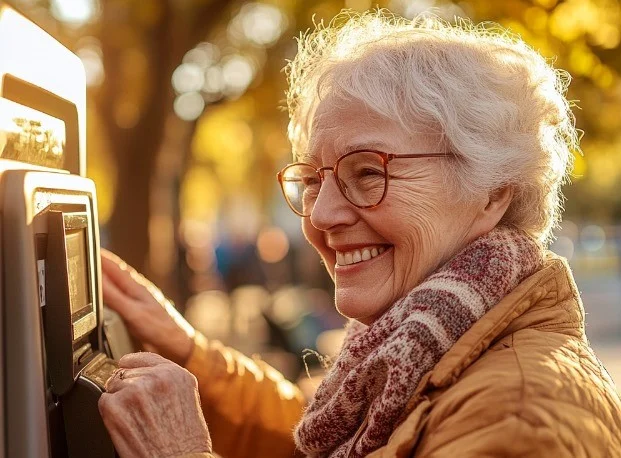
column 362, row 178
column 301, row 183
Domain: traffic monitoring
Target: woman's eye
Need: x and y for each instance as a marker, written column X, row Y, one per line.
column 370, row 172
column 310, row 181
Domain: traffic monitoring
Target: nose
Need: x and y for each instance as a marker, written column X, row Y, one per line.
column 331, row 207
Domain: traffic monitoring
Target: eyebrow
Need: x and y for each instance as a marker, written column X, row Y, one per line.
column 344, row 148
column 361, row 146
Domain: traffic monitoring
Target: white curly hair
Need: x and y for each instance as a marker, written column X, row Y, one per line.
column 500, row 106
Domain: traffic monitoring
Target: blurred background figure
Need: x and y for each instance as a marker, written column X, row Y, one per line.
column 185, row 136
column 238, row 262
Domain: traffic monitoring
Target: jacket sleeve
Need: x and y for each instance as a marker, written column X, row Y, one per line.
column 250, row 408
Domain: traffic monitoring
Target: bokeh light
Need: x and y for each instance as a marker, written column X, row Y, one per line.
column 237, row 74
column 188, row 77
column 592, row 237
column 262, row 24
column 189, row 106
column 75, row 12
column 214, row 81
column 204, row 54
column 209, row 312
column 272, row 244
column 258, row 23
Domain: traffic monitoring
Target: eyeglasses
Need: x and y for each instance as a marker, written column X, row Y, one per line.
column 362, row 177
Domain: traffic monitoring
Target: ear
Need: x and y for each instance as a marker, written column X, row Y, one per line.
column 492, row 211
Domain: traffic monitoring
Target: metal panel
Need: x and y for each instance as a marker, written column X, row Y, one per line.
column 24, row 194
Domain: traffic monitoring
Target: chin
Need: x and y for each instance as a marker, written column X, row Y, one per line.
column 366, row 313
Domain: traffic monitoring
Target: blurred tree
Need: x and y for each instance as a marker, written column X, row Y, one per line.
column 142, row 43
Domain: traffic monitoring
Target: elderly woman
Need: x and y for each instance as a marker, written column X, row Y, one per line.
column 430, row 159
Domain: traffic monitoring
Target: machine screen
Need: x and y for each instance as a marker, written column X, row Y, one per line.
column 28, row 135
column 77, row 269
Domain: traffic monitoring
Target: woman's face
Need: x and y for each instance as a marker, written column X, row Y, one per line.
column 417, row 227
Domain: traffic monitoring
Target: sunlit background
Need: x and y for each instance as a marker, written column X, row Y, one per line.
column 186, row 132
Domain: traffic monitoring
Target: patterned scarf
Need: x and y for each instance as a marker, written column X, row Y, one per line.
column 380, row 366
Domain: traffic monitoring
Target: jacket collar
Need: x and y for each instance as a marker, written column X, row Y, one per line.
column 553, row 284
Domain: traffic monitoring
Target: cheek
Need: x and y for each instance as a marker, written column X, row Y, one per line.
column 424, row 226
column 421, row 217
column 316, row 239
column 314, row 236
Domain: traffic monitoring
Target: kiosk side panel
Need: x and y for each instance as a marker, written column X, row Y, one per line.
column 26, row 432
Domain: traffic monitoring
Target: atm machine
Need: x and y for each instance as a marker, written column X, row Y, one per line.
column 54, row 357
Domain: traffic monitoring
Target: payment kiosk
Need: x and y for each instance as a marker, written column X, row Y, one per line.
column 54, row 357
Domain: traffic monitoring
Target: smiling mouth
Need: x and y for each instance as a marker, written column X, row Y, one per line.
column 346, row 258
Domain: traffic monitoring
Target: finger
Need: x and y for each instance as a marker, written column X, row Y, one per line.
column 133, row 373
column 111, row 262
column 115, row 382
column 142, row 359
column 116, row 299
column 125, row 277
column 114, row 414
column 106, row 406
column 111, row 256
column 123, row 377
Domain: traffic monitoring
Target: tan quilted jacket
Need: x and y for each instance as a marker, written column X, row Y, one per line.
column 522, row 381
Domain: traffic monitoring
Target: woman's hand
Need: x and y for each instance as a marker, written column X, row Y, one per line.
column 152, row 409
column 148, row 315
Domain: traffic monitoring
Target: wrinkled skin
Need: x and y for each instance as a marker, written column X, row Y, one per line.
column 152, row 409
column 421, row 223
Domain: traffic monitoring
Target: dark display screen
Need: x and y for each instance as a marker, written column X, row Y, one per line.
column 77, row 269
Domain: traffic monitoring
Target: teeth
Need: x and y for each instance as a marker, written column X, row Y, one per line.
column 356, row 256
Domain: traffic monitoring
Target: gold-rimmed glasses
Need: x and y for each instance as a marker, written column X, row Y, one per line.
column 361, row 176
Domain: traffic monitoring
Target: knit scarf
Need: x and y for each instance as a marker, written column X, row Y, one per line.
column 380, row 365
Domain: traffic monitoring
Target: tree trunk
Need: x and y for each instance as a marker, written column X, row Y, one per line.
column 163, row 43
column 134, row 147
